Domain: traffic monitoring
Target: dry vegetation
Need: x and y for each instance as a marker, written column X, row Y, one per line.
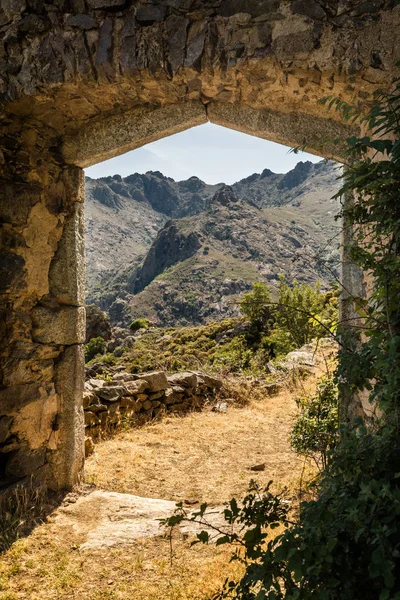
column 202, row 456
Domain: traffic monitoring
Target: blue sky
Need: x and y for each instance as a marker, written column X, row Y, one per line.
column 214, row 154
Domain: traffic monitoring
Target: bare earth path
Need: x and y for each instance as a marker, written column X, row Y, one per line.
column 204, row 457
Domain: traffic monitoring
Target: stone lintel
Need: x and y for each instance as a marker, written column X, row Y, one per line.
column 114, row 135
column 317, row 134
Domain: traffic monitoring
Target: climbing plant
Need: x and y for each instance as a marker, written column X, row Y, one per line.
column 345, row 544
column 370, row 358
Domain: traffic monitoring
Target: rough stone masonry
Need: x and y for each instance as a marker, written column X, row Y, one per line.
column 85, row 80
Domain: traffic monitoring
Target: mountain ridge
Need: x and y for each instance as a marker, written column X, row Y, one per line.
column 146, row 229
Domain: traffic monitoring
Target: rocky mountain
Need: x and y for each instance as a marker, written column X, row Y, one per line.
column 183, row 252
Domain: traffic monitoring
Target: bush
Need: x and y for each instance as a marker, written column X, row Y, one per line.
column 94, row 347
column 139, row 324
column 315, row 432
column 304, row 312
column 255, row 306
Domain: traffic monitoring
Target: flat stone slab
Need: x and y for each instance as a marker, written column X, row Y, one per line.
column 110, row 519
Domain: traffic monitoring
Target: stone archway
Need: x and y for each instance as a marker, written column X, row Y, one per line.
column 85, row 80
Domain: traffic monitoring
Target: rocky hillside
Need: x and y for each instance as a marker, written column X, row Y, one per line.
column 183, row 252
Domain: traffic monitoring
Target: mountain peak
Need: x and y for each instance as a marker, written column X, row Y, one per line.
column 225, row 196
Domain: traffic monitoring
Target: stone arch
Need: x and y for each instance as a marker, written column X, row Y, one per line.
column 84, row 80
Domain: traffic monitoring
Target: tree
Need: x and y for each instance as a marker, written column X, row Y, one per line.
column 256, row 306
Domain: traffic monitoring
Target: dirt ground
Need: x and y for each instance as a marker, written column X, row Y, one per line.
column 204, row 457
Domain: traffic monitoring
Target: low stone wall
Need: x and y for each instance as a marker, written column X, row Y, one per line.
column 141, row 398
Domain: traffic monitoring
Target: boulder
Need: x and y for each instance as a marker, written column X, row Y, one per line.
column 170, row 396
column 156, row 395
column 136, row 387
column 124, row 377
column 185, row 379
column 95, row 384
column 89, row 398
column 111, row 393
column 304, row 357
column 157, row 380
column 130, row 403
column 211, row 382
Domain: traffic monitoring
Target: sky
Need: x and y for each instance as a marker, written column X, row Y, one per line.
column 213, row 153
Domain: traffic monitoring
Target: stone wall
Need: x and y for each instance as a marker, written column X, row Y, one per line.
column 138, row 399
column 84, row 80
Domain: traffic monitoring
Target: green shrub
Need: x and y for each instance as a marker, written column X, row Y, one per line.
column 255, row 306
column 315, row 432
column 139, row 324
column 108, row 359
column 277, row 343
column 304, row 312
column 94, row 347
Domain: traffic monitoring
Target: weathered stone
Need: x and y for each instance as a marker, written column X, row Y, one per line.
column 308, row 8
column 62, row 325
column 95, row 384
column 82, row 21
column 255, row 8
column 136, row 387
column 13, row 7
column 111, row 393
column 185, row 379
column 67, row 440
column 67, row 269
column 5, row 428
column 98, row 407
column 129, row 402
column 147, row 405
column 89, row 398
column 150, row 13
column 25, row 462
column 124, row 377
column 179, row 390
column 155, row 403
column 294, row 43
column 12, row 269
column 220, row 407
column 212, row 382
column 157, row 380
column 195, row 45
column 177, row 32
column 170, row 396
column 156, row 395
column 34, row 24
column 105, row 4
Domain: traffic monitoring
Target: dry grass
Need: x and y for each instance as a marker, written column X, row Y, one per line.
column 202, row 456
column 22, row 508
